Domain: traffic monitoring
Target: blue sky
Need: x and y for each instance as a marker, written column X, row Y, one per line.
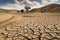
column 18, row 4
column 6, row 1
column 12, row 1
column 2, row 2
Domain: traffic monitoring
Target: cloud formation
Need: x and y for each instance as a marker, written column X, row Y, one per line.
column 20, row 5
column 49, row 1
column 27, row 3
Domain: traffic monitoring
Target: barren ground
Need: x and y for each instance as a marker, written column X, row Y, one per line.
column 33, row 26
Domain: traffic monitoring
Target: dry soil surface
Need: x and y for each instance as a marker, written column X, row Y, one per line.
column 33, row 26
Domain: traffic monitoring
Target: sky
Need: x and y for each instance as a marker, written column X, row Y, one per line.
column 12, row 1
column 20, row 4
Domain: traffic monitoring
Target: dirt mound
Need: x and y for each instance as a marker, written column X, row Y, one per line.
column 7, row 18
column 4, row 18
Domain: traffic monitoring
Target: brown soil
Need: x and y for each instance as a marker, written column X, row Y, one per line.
column 34, row 26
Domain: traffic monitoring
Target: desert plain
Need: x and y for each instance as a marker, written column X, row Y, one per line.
column 30, row 26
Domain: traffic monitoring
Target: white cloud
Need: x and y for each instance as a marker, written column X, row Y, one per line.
column 49, row 1
column 29, row 3
column 44, row 2
column 20, row 5
column 53, row 1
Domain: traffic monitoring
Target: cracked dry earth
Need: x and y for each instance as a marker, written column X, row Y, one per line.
column 31, row 27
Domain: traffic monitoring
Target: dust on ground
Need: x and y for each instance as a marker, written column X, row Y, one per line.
column 31, row 26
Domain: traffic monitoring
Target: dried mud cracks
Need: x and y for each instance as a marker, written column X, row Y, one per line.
column 40, row 27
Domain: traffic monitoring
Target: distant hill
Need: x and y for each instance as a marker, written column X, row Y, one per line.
column 52, row 8
column 3, row 10
column 7, row 11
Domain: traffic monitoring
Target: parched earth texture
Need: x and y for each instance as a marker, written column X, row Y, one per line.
column 34, row 26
